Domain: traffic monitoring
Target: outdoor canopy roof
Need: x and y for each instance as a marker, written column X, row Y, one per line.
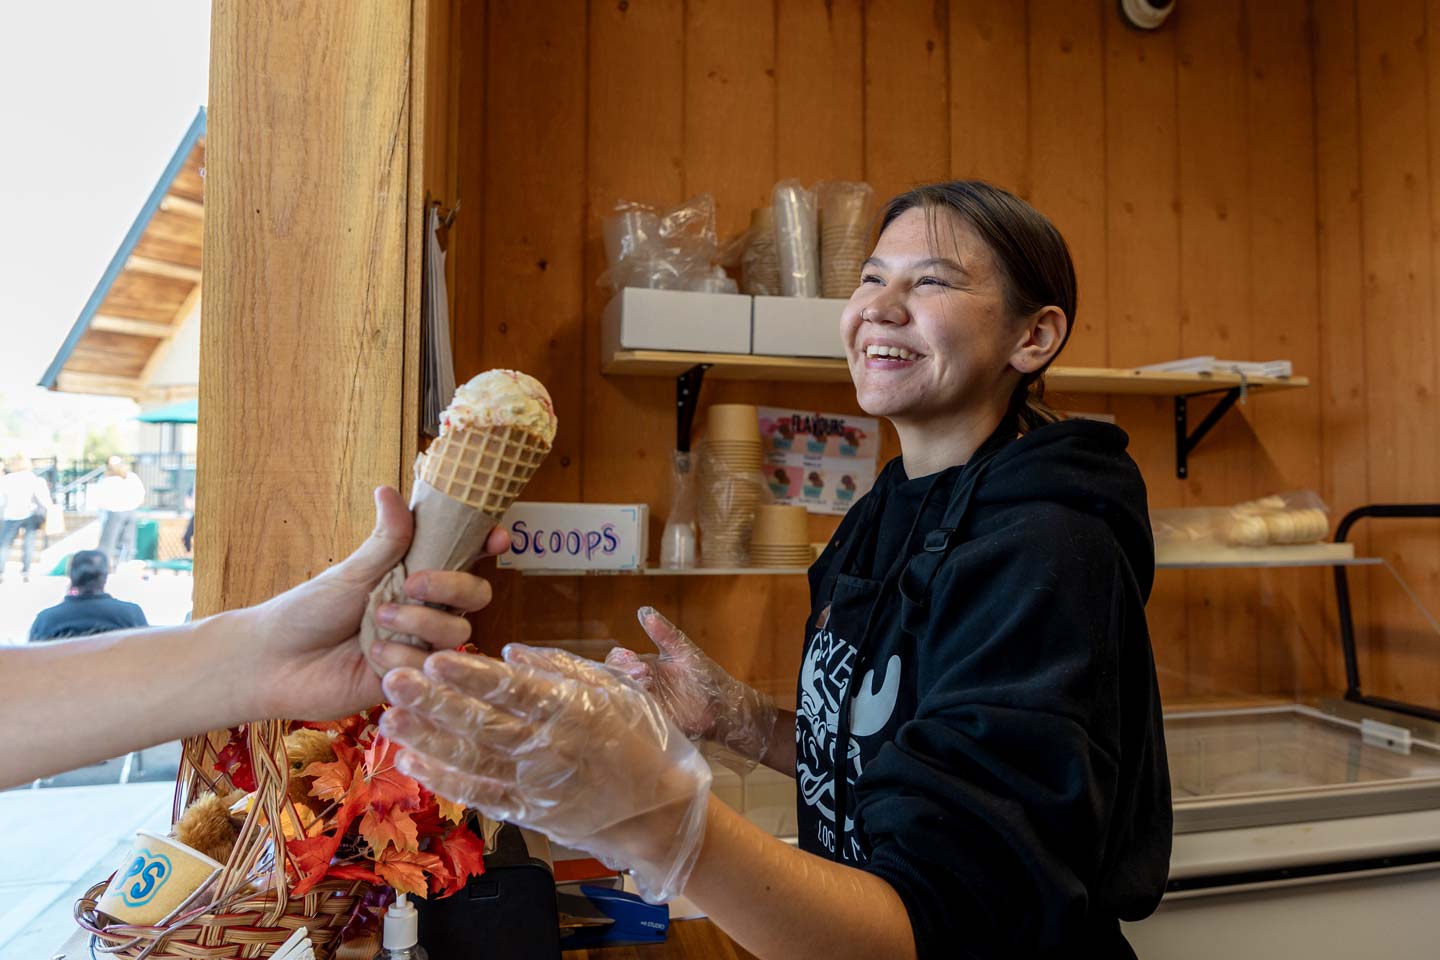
column 147, row 291
column 182, row 412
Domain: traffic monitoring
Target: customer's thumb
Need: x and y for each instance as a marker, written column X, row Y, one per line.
column 387, row 543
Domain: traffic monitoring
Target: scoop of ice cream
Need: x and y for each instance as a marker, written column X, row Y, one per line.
column 501, row 398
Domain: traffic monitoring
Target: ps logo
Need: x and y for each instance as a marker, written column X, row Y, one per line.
column 149, row 871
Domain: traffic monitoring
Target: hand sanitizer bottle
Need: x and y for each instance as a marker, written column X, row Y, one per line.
column 400, row 939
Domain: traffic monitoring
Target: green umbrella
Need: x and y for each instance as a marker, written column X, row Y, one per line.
column 182, row 412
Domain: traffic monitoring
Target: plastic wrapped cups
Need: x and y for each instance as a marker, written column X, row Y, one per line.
column 796, row 237
column 629, row 231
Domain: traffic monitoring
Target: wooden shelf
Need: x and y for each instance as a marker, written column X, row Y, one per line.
column 665, row 572
column 1212, row 558
column 1297, row 555
column 741, row 366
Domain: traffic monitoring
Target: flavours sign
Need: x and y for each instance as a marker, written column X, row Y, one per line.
column 822, row 461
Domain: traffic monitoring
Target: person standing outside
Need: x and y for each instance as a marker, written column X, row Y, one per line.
column 87, row 609
column 120, row 493
column 26, row 498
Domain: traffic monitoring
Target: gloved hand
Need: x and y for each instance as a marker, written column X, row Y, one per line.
column 705, row 702
column 561, row 745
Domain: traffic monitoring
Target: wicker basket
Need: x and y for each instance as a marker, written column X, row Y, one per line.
column 231, row 918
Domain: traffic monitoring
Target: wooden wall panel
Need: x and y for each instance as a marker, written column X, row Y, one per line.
column 302, row 339
column 1214, row 180
column 989, row 92
column 1396, row 67
column 1143, row 283
column 635, row 143
column 1295, row 648
column 906, row 94
column 533, row 222
column 1067, row 159
column 1215, row 317
column 1341, row 273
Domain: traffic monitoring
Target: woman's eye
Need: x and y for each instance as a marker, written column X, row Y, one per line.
column 869, row 278
column 931, row 281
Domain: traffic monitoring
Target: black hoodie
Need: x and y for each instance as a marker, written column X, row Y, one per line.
column 1005, row 761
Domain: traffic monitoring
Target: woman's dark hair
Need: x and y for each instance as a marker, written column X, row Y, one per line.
column 1034, row 263
column 88, row 570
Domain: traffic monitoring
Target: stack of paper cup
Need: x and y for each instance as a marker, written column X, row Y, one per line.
column 780, row 537
column 760, row 263
column 844, row 232
column 730, row 484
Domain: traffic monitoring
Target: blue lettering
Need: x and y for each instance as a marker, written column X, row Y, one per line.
column 519, row 538
column 572, row 542
column 592, row 541
column 557, row 541
column 612, row 542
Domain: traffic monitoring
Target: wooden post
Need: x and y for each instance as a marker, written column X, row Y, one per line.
column 308, row 202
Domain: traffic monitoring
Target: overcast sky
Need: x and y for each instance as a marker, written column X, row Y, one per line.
column 94, row 98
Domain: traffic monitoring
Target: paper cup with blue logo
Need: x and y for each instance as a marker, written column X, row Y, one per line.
column 156, row 878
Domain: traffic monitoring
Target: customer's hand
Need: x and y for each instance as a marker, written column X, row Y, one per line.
column 581, row 755
column 704, row 701
column 307, row 640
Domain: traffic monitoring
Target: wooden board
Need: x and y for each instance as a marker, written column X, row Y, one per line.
column 1142, row 185
column 1397, row 147
column 741, row 366
column 1067, row 171
column 989, row 88
column 1340, row 288
column 302, row 327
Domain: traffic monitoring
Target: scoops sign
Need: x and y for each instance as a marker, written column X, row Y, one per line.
column 576, row 536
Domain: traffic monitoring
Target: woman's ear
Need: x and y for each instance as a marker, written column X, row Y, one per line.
column 1043, row 336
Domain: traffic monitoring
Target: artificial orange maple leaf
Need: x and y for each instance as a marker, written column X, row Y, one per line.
column 394, row 827
column 312, row 857
column 386, row 785
column 405, row 870
column 333, row 779
column 464, row 856
column 449, row 809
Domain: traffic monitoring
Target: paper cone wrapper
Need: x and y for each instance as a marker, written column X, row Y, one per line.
column 463, row 485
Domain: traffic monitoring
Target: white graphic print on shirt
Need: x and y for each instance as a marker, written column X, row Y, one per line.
column 824, row 675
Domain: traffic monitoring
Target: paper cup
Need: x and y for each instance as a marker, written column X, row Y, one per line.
column 156, row 878
column 781, row 525
column 733, row 421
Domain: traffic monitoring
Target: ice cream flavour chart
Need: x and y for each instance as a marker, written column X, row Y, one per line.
column 821, row 461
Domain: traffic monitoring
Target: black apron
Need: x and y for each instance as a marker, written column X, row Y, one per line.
column 841, row 624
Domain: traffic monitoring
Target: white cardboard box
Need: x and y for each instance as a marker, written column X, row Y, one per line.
column 798, row 327
column 576, row 536
column 643, row 319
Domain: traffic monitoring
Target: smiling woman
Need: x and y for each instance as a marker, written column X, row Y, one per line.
column 978, row 751
column 968, row 298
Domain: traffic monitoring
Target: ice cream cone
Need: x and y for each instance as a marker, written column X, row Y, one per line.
column 493, row 437
column 484, row 468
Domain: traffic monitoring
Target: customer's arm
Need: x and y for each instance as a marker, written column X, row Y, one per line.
column 74, row 702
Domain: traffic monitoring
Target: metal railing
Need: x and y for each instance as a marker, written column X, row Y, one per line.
column 168, row 477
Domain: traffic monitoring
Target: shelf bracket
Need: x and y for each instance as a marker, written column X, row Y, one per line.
column 687, row 397
column 1185, row 441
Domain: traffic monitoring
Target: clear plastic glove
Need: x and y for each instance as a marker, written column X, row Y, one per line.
column 705, row 702
column 561, row 745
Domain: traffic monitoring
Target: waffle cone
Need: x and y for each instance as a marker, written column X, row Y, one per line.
column 485, row 468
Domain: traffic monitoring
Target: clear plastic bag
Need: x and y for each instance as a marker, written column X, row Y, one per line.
column 673, row 249
column 1293, row 517
column 797, row 240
